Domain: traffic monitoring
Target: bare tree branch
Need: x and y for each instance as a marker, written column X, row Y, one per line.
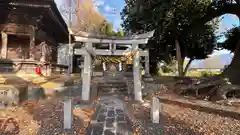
column 85, row 16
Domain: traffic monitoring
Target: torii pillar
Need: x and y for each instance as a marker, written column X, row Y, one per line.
column 86, row 76
column 136, row 74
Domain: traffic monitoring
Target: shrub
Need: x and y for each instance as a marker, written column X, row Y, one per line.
column 203, row 73
column 207, row 73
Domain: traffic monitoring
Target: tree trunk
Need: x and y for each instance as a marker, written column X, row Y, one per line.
column 179, row 58
column 187, row 66
column 232, row 71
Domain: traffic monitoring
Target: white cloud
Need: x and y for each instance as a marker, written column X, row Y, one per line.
column 219, row 52
column 99, row 3
column 109, row 10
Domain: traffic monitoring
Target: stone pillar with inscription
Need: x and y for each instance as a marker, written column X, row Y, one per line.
column 4, row 45
column 32, row 44
column 147, row 69
column 67, row 116
column 155, row 110
column 71, row 49
column 147, row 75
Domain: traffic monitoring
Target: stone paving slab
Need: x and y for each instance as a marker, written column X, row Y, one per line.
column 110, row 119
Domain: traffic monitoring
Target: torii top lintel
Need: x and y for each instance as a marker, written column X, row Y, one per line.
column 134, row 39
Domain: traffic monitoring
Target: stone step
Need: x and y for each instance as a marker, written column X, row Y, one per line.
column 113, row 79
column 110, row 73
column 123, row 89
column 112, row 89
column 112, row 92
column 114, row 76
column 112, row 82
column 113, row 85
column 102, row 88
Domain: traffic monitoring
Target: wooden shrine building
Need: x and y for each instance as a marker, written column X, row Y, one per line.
column 30, row 33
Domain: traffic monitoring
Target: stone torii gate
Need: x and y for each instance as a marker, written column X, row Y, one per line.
column 88, row 51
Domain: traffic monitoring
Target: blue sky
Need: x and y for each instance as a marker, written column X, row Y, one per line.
column 111, row 11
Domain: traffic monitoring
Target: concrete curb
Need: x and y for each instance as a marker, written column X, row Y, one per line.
column 204, row 106
column 95, row 115
column 93, row 121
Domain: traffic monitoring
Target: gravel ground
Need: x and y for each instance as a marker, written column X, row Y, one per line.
column 210, row 124
column 46, row 118
column 166, row 126
column 176, row 120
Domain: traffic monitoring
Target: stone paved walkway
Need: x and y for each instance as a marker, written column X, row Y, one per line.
column 110, row 118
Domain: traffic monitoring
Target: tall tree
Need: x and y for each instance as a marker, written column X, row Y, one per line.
column 215, row 9
column 109, row 30
column 169, row 18
column 119, row 33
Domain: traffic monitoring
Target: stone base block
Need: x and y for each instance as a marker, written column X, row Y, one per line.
column 11, row 95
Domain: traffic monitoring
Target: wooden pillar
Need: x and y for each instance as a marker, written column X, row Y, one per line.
column 44, row 51
column 4, row 45
column 86, row 74
column 32, row 44
column 136, row 74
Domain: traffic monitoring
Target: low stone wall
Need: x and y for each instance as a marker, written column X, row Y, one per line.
column 172, row 78
column 11, row 95
column 75, row 91
column 29, row 67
